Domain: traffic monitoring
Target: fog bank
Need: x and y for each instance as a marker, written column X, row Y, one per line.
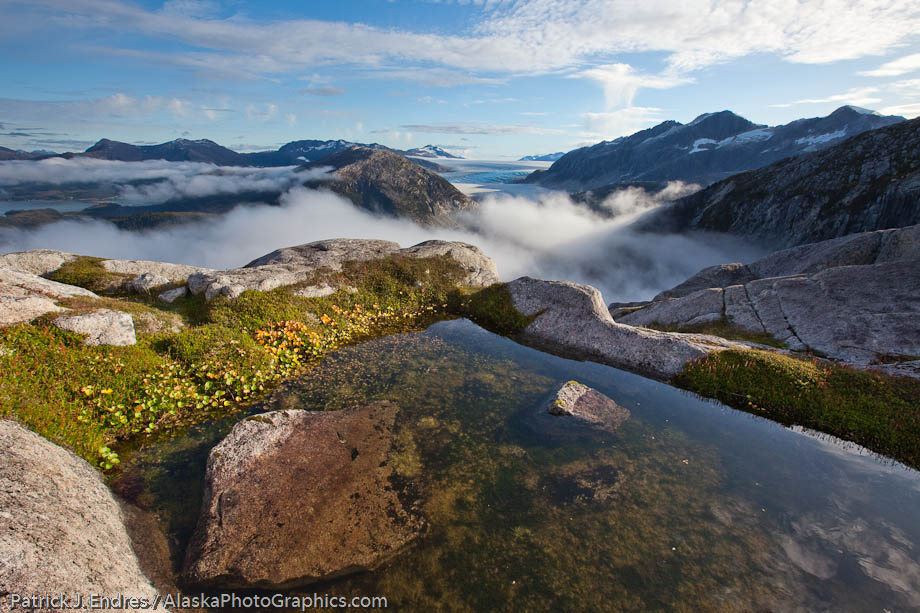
column 549, row 237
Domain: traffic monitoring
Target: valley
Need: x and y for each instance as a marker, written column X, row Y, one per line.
column 459, row 306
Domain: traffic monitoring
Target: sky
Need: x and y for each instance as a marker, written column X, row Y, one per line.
column 486, row 79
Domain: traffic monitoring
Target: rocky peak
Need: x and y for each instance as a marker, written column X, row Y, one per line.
column 386, row 182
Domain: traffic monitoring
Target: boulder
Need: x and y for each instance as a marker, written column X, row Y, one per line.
column 858, row 314
column 481, row 270
column 571, row 320
column 16, row 309
column 331, row 253
column 699, row 307
column 101, row 327
column 25, row 296
column 878, row 247
column 299, row 264
column 173, row 273
column 34, row 285
column 588, row 405
column 36, row 261
column 292, row 497
column 172, row 295
column 146, row 282
column 316, row 291
column 720, row 275
column 61, row 531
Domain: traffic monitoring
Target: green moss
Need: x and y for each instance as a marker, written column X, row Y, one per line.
column 493, row 309
column 722, row 328
column 86, row 272
column 94, row 400
column 214, row 343
column 872, row 409
column 45, row 371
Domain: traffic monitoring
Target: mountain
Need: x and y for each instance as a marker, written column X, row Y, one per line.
column 710, row 148
column 301, row 151
column 549, row 157
column 385, row 182
column 179, row 150
column 10, row 154
column 868, row 182
column 431, row 151
column 294, row 153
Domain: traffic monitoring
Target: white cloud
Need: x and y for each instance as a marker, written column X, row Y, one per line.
column 621, row 82
column 261, row 112
column 551, row 237
column 896, row 68
column 859, row 96
column 619, row 123
column 479, row 128
column 909, row 111
column 521, row 38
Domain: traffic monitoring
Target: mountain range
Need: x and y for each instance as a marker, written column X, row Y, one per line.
column 710, row 148
column 207, row 151
column 549, row 157
column 868, row 182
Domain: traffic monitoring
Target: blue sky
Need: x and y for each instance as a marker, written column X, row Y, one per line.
column 487, row 79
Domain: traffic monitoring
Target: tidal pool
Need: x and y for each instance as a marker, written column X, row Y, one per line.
column 690, row 506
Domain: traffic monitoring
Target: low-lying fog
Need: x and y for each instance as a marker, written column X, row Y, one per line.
column 543, row 235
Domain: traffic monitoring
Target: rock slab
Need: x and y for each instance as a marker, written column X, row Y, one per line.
column 572, row 320
column 294, row 497
column 25, row 296
column 293, row 265
column 101, row 327
column 61, row 531
column 589, row 405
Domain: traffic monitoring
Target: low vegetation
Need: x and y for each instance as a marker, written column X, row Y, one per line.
column 879, row 412
column 86, row 272
column 225, row 355
column 493, row 309
column 722, row 328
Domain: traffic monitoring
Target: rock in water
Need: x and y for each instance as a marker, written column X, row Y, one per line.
column 571, row 320
column 588, row 404
column 294, row 497
column 61, row 531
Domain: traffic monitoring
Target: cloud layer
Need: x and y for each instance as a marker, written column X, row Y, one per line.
column 549, row 237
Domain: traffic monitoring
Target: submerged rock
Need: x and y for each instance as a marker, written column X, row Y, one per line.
column 294, row 497
column 572, row 320
column 588, row 404
column 61, row 531
column 101, row 327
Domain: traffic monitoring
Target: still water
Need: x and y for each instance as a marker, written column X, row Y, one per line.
column 690, row 506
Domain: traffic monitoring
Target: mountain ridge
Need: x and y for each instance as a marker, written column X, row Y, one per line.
column 708, row 149
column 868, row 182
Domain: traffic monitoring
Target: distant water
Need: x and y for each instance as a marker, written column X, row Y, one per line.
column 480, row 177
column 64, row 206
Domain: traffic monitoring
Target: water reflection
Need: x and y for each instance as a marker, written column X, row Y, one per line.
column 690, row 506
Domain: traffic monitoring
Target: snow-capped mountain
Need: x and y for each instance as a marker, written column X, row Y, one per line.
column 710, row 148
column 549, row 157
column 432, row 151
